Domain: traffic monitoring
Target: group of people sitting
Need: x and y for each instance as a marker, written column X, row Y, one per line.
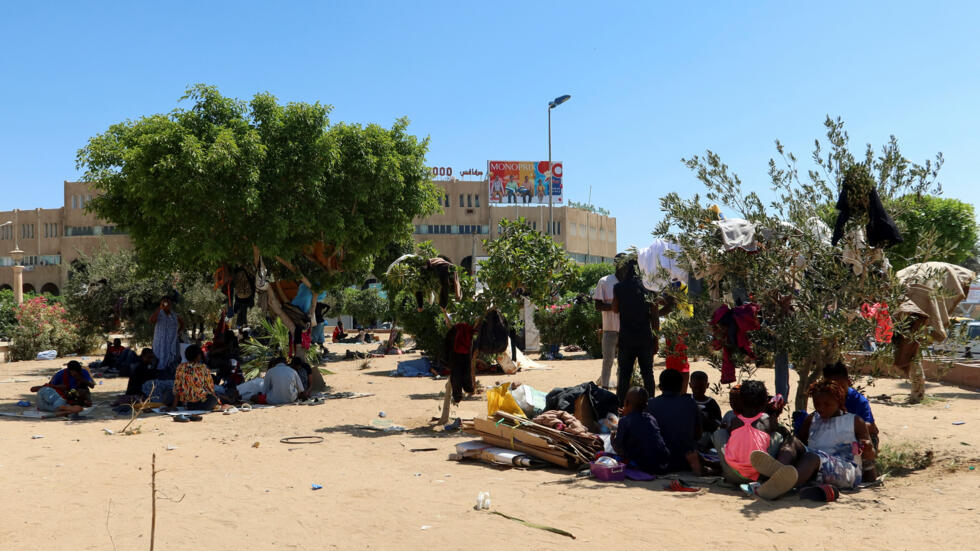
column 832, row 448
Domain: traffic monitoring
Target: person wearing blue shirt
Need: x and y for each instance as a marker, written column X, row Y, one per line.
column 638, row 437
column 69, row 383
column 679, row 419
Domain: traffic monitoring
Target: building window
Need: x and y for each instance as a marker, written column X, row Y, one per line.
column 447, row 201
column 534, row 225
column 557, row 228
column 461, row 200
column 469, row 200
column 74, row 201
column 476, row 200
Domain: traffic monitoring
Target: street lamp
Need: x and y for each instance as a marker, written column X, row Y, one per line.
column 551, row 192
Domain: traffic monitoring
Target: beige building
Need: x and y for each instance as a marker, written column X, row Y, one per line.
column 467, row 219
column 52, row 239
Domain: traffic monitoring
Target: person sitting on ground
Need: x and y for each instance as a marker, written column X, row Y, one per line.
column 751, row 430
column 305, row 373
column 679, row 420
column 710, row 411
column 854, row 402
column 145, row 370
column 282, row 384
column 831, row 446
column 113, row 351
column 638, row 438
column 338, row 332
column 67, row 392
column 193, row 383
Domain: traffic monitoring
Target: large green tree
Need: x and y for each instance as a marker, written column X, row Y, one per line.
column 939, row 229
column 225, row 181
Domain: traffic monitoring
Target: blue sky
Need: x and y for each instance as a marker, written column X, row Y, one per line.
column 650, row 82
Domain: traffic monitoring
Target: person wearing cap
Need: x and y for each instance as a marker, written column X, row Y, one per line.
column 54, row 396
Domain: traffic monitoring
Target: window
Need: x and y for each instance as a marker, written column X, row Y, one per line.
column 74, row 201
column 476, row 200
column 447, row 201
column 469, row 200
column 557, row 228
column 534, row 225
column 88, row 198
column 460, row 200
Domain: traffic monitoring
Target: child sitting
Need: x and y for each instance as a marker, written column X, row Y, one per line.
column 854, row 401
column 752, row 430
column 679, row 420
column 638, row 437
column 837, row 444
column 710, row 412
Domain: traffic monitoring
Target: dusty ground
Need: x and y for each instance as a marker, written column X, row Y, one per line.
column 83, row 489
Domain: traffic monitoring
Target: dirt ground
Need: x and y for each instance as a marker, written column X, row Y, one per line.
column 228, row 482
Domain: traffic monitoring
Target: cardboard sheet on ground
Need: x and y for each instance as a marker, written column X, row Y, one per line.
column 37, row 414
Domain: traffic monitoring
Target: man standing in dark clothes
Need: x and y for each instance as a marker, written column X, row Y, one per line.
column 636, row 340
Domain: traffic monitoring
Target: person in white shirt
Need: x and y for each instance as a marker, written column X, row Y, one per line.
column 282, row 384
column 603, row 296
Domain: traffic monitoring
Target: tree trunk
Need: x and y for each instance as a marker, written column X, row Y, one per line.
column 917, row 381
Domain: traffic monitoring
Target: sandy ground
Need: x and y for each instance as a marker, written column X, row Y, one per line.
column 80, row 488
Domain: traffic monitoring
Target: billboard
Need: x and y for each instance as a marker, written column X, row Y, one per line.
column 523, row 182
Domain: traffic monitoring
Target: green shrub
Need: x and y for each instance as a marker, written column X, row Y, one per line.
column 42, row 326
column 582, row 325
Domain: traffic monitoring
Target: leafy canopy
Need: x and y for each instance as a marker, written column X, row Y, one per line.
column 201, row 186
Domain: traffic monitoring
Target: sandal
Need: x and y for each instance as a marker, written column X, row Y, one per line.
column 681, row 486
column 231, row 410
column 180, row 418
column 779, row 483
column 195, row 417
column 821, row 492
column 766, row 464
column 245, row 407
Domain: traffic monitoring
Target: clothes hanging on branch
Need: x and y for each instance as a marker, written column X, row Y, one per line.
column 660, row 254
column 883, row 320
column 731, row 327
column 855, row 200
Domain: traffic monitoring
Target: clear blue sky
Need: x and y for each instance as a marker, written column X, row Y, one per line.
column 650, row 83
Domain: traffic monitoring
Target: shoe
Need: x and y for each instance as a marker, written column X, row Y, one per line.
column 779, row 483
column 195, row 417
column 766, row 464
column 821, row 492
column 180, row 418
column 231, row 410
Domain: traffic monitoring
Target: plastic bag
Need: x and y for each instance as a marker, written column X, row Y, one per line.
column 530, row 400
column 47, row 355
column 500, row 399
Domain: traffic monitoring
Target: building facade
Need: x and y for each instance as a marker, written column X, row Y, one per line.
column 467, row 219
column 52, row 239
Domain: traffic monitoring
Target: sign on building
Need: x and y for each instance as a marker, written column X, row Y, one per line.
column 523, row 182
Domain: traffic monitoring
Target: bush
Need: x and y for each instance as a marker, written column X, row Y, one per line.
column 8, row 313
column 365, row 305
column 551, row 321
column 42, row 326
column 582, row 325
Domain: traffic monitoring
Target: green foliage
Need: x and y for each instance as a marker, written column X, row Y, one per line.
column 522, row 262
column 366, row 305
column 586, row 277
column 269, row 342
column 901, row 458
column 8, row 313
column 794, row 264
column 109, row 293
column 582, row 325
column 42, row 326
column 588, row 207
column 552, row 322
column 934, row 229
column 201, row 186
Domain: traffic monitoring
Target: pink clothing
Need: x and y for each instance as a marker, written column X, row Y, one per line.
column 743, row 441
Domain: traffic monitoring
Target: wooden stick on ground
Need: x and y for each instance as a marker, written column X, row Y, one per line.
column 153, row 487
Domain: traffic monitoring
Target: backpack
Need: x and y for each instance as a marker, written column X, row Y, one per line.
column 492, row 335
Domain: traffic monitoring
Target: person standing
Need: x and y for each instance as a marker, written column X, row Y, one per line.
column 636, row 340
column 603, row 296
column 167, row 325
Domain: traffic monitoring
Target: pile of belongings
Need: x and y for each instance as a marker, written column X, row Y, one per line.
column 566, row 445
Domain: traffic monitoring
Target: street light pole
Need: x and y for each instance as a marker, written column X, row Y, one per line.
column 551, row 191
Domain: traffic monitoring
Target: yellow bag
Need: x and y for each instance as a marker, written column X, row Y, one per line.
column 500, row 399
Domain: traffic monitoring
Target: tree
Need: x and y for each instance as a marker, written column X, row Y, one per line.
column 809, row 299
column 226, row 182
column 937, row 229
column 365, row 305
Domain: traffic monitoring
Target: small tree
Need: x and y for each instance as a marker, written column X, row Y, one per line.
column 939, row 229
column 809, row 299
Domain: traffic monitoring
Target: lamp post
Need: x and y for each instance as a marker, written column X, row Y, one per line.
column 551, row 192
column 16, row 255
